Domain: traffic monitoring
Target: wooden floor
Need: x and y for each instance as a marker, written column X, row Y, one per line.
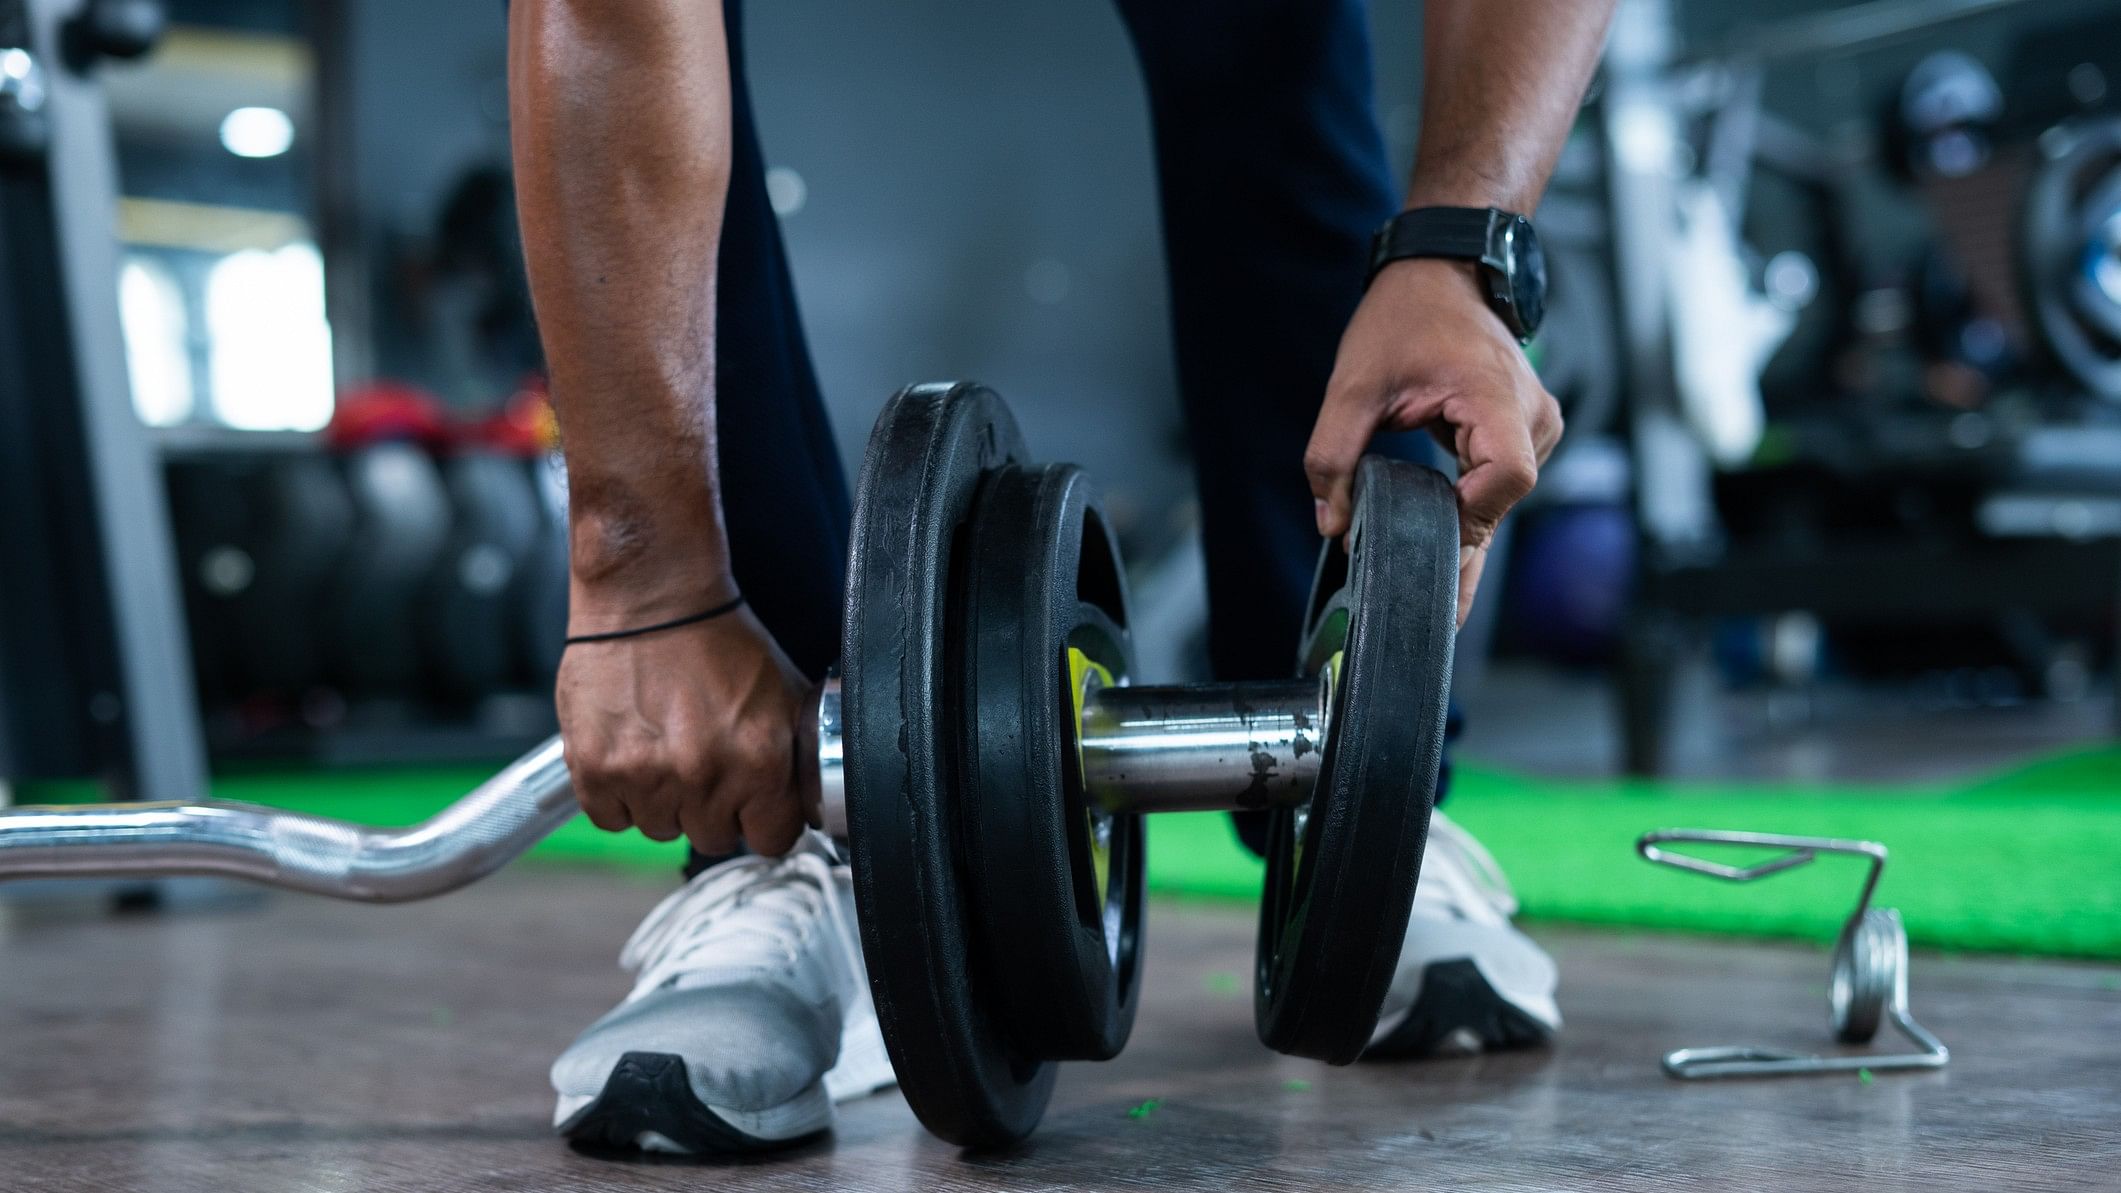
column 291, row 1044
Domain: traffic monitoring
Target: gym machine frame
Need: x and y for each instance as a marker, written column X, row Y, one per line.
column 99, row 675
column 1690, row 570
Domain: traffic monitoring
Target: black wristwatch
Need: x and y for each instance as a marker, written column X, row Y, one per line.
column 1513, row 269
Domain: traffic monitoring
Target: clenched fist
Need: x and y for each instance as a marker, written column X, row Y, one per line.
column 692, row 731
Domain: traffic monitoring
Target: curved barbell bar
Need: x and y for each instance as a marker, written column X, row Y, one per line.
column 487, row 829
column 1149, row 749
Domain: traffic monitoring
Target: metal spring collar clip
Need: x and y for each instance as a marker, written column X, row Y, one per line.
column 1870, row 965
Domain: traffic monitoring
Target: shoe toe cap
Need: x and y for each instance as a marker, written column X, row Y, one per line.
column 745, row 1048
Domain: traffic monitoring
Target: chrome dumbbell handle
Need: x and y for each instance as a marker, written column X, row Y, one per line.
column 1151, row 748
column 1205, row 747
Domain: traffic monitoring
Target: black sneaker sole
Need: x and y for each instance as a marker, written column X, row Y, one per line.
column 1454, row 998
column 648, row 1091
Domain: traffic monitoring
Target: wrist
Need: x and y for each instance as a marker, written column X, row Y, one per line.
column 625, row 569
column 1434, row 280
column 607, row 607
column 1446, row 182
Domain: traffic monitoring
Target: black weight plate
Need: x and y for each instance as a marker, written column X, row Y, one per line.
column 307, row 526
column 493, row 533
column 215, row 538
column 1055, row 888
column 1341, row 870
column 401, row 519
column 904, row 766
column 540, row 601
column 2067, row 205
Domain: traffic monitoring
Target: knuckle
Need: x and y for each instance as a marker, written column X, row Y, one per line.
column 597, row 774
column 1548, row 414
column 1518, row 474
column 621, row 779
column 642, row 768
column 692, row 770
column 762, row 745
column 606, row 814
column 602, row 764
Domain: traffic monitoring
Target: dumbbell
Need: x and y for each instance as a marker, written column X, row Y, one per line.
column 987, row 756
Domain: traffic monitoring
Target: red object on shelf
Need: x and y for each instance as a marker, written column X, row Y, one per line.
column 525, row 424
column 386, row 412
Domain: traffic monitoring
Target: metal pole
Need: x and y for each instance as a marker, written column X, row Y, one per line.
column 1842, row 30
column 156, row 701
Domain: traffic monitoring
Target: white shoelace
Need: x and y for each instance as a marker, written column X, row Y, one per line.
column 1469, row 880
column 748, row 913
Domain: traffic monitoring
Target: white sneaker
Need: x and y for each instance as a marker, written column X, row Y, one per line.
column 750, row 1017
column 1468, row 980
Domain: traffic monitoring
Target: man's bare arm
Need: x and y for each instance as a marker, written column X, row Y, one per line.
column 1501, row 83
column 620, row 116
column 621, row 125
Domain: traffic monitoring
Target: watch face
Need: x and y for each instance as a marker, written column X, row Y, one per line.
column 1528, row 276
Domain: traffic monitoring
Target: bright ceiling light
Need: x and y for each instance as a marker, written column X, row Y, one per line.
column 257, row 132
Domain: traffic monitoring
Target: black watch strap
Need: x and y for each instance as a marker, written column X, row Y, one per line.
column 1511, row 268
column 1459, row 233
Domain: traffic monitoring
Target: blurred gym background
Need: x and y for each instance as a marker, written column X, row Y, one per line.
column 1833, row 544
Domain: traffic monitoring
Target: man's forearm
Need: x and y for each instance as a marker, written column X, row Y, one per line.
column 621, row 134
column 1502, row 80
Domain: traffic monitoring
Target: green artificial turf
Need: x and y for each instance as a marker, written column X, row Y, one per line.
column 2026, row 861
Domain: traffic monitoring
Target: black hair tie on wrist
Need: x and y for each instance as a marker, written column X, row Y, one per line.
column 729, row 606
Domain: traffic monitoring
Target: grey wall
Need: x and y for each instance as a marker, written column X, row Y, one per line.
column 430, row 90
